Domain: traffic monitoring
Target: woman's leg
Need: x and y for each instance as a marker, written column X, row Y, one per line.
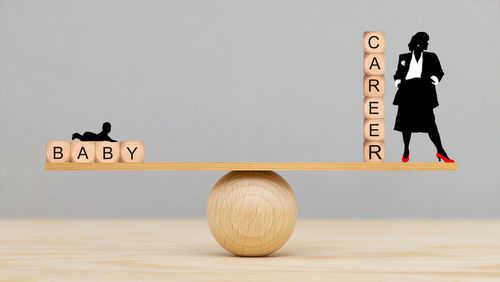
column 406, row 140
column 436, row 139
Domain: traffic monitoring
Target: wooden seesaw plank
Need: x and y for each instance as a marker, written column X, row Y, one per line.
column 241, row 166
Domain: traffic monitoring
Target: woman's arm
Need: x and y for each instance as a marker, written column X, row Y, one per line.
column 399, row 75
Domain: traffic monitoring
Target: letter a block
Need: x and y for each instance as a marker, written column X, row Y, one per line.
column 132, row 151
column 107, row 152
column 374, row 151
column 58, row 151
column 374, row 64
column 374, row 42
column 82, row 152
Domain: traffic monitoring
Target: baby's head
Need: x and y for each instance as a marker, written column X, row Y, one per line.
column 106, row 127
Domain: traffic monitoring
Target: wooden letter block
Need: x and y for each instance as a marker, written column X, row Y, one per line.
column 374, row 129
column 132, row 151
column 82, row 152
column 373, row 107
column 374, row 64
column 374, row 42
column 107, row 152
column 374, row 85
column 57, row 151
column 374, row 151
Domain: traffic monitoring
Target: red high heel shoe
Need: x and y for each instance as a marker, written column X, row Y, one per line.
column 445, row 159
column 405, row 160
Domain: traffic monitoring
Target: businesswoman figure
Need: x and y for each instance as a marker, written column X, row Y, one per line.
column 416, row 78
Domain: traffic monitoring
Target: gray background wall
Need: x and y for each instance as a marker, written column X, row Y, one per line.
column 240, row 81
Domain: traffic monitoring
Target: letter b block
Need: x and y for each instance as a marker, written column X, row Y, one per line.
column 132, row 151
column 107, row 152
column 374, row 151
column 82, row 152
column 57, row 152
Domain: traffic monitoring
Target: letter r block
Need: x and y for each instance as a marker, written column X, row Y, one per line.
column 374, row 64
column 132, row 151
column 374, row 42
column 57, row 152
column 82, row 152
column 373, row 85
column 374, row 151
column 107, row 152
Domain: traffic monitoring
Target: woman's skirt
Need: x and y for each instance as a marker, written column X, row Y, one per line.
column 414, row 113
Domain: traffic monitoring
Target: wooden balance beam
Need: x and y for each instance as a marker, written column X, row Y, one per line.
column 253, row 166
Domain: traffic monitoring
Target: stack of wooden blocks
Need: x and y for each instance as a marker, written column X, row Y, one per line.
column 373, row 90
column 100, row 152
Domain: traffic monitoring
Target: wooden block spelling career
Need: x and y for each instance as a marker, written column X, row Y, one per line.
column 374, row 129
column 82, row 152
column 57, row 151
column 374, row 85
column 374, row 90
column 374, row 151
column 107, row 152
column 373, row 108
column 132, row 151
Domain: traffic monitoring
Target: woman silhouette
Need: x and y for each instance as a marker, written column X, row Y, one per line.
column 416, row 78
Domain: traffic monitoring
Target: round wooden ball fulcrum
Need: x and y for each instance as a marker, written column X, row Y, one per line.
column 251, row 213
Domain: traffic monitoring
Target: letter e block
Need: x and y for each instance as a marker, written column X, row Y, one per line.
column 374, row 42
column 82, row 152
column 374, row 129
column 374, row 151
column 107, row 152
column 132, row 151
column 374, row 85
column 373, row 107
column 374, row 64
column 57, row 152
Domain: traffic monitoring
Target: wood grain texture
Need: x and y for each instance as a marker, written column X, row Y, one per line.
column 251, row 213
column 228, row 166
column 183, row 249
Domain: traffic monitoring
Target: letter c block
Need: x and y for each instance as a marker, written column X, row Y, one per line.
column 374, row 42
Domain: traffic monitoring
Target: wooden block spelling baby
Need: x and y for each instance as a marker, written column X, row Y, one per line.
column 95, row 147
column 89, row 152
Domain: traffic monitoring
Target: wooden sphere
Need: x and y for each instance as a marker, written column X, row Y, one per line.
column 251, row 213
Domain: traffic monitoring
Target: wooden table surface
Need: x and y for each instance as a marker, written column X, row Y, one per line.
column 183, row 249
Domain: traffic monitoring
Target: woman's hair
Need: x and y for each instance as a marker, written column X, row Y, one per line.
column 419, row 38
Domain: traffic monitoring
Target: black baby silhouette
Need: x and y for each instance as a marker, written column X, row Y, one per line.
column 90, row 136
